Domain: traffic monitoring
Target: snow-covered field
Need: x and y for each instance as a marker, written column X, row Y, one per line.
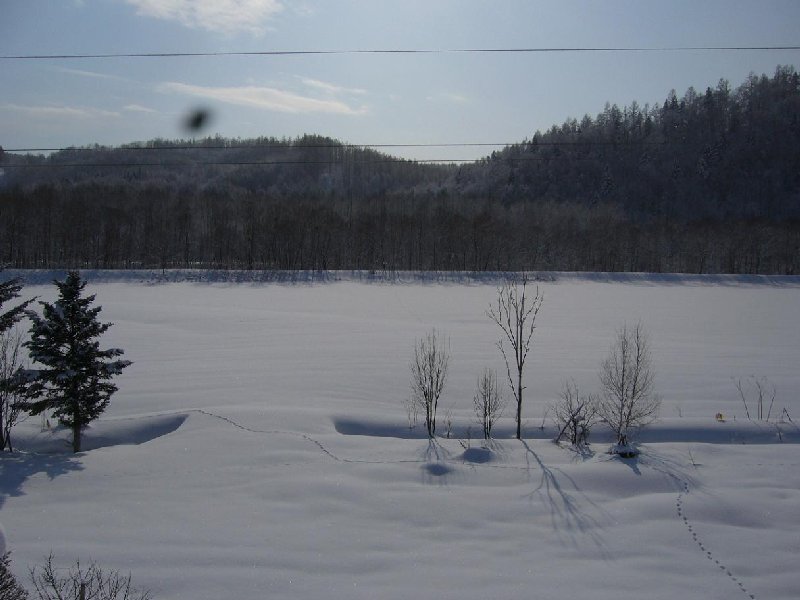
column 258, row 448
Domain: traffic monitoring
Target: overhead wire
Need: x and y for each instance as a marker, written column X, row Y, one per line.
column 400, row 51
column 349, row 146
column 406, row 161
column 385, row 159
column 271, row 145
column 290, row 145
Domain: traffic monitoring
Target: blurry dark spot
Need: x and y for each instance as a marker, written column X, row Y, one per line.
column 197, row 119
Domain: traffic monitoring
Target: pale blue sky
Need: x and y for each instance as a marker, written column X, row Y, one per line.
column 364, row 99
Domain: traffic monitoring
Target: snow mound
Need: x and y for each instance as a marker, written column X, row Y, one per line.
column 100, row 434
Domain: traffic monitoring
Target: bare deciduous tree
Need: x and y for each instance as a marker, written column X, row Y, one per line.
column 83, row 583
column 762, row 388
column 575, row 415
column 628, row 398
column 12, row 397
column 10, row 360
column 515, row 315
column 412, row 412
column 488, row 402
column 428, row 376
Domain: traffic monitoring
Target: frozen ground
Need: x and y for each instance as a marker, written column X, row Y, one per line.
column 258, row 447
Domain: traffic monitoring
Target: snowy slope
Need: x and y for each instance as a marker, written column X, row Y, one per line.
column 258, row 448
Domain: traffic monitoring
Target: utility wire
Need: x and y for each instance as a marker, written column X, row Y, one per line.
column 233, row 163
column 342, row 160
column 429, row 161
column 292, row 146
column 543, row 50
column 245, row 146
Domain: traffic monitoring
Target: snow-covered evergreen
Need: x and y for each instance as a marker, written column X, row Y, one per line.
column 8, row 291
column 75, row 381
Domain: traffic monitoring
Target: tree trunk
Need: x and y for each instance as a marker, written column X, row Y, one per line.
column 76, row 438
column 519, row 406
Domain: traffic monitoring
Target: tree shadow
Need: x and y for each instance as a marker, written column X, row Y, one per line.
column 16, row 469
column 484, row 452
column 632, row 462
column 673, row 468
column 566, row 514
column 478, row 455
column 435, row 468
column 580, row 453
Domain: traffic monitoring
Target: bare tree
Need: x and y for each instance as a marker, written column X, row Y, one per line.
column 83, row 583
column 488, row 402
column 628, row 398
column 10, row 360
column 515, row 315
column 412, row 412
column 12, row 378
column 575, row 414
column 763, row 388
column 428, row 376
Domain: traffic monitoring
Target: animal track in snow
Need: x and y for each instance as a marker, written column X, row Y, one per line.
column 708, row 554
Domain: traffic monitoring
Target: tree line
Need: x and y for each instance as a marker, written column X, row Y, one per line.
column 709, row 182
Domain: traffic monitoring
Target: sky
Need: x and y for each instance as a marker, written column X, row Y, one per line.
column 363, row 98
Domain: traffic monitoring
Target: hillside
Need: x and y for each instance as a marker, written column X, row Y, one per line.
column 709, row 182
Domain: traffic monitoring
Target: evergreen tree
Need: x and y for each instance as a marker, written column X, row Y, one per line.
column 10, row 589
column 75, row 381
column 9, row 290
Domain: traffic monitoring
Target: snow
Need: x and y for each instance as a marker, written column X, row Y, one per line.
column 258, row 446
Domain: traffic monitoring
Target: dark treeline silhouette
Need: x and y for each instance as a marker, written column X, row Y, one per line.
column 709, row 182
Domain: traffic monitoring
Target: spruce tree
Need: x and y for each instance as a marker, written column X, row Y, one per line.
column 75, row 381
column 8, row 291
column 10, row 589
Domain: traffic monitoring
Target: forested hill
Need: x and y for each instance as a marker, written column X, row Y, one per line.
column 309, row 166
column 705, row 182
column 711, row 154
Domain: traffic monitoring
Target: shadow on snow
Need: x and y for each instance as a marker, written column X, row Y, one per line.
column 18, row 468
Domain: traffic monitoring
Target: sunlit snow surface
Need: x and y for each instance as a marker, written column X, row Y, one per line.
column 258, row 447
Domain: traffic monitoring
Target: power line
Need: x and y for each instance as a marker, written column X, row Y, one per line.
column 280, row 53
column 385, row 159
column 333, row 146
column 271, row 145
column 233, row 163
column 428, row 161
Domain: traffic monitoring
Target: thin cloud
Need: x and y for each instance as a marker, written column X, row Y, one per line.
column 223, row 16
column 138, row 108
column 264, row 98
column 89, row 74
column 331, row 88
column 449, row 98
column 61, row 112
